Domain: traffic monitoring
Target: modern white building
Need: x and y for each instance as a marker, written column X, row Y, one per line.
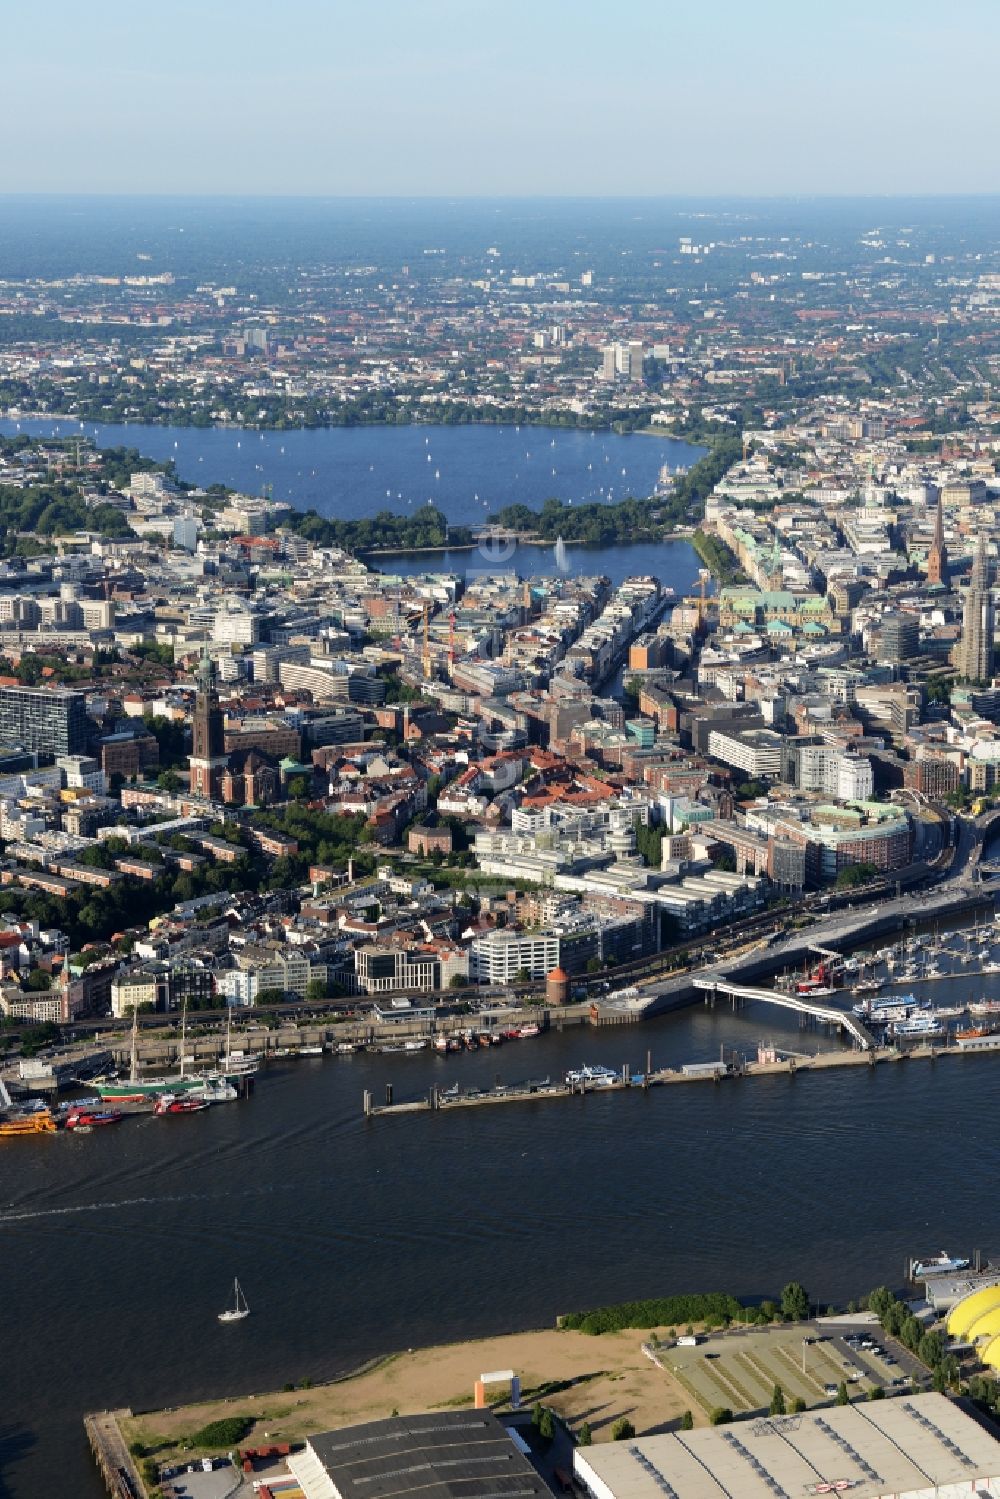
column 855, row 779
column 498, row 957
column 825, row 768
column 757, row 752
column 83, row 772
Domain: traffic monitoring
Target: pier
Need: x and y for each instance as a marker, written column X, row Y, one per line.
column 112, row 1456
column 791, row 1065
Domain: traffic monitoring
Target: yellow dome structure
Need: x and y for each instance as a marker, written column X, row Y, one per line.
column 968, row 1311
column 985, row 1327
column 991, row 1354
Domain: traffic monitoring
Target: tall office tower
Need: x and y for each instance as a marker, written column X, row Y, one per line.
column 609, row 362
column 937, row 557
column 47, row 721
column 635, row 362
column 208, row 756
column 974, row 652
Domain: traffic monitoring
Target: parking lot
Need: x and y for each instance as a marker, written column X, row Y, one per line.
column 740, row 1367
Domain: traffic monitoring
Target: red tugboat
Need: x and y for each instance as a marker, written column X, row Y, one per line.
column 168, row 1103
column 91, row 1118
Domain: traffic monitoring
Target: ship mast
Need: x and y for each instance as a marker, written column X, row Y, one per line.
column 184, row 1017
column 134, row 1066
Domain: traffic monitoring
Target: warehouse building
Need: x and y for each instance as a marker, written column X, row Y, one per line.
column 904, row 1448
column 447, row 1455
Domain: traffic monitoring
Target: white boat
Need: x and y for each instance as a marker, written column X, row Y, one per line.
column 592, row 1077
column 215, row 1089
column 939, row 1264
column 916, row 1028
column 239, row 1309
column 237, row 1063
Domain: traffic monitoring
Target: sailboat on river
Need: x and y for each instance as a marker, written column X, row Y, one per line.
column 240, row 1307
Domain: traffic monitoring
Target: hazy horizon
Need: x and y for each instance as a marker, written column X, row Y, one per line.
column 445, row 100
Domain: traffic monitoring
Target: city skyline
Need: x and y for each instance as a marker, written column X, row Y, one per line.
column 441, row 102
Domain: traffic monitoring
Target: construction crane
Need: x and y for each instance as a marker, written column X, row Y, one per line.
column 427, row 641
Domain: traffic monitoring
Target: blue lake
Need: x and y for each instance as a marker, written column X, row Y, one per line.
column 675, row 563
column 351, row 472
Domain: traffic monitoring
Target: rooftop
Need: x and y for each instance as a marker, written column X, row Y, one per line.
column 902, row 1447
column 450, row 1455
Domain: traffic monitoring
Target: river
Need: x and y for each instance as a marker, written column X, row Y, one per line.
column 469, row 472
column 353, row 1238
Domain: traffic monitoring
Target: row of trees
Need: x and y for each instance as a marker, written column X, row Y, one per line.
column 717, row 558
column 710, row 1309
column 899, row 1322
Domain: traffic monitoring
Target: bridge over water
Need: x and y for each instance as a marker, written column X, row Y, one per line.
column 714, row 984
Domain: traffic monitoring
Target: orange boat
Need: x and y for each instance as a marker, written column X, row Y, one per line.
column 974, row 1032
column 29, row 1124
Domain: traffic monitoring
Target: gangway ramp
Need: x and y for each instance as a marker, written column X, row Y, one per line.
column 717, row 983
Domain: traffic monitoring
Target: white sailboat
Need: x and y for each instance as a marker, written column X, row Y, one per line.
column 240, row 1307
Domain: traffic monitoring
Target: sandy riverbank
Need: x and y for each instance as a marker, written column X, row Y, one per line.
column 601, row 1379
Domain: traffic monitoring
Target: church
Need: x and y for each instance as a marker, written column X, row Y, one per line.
column 243, row 779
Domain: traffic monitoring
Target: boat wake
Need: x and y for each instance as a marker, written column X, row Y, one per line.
column 102, row 1207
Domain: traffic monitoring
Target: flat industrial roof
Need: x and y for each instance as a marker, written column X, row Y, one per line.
column 943, row 1291
column 447, row 1455
column 897, row 1446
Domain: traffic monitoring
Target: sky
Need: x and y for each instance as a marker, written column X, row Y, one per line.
column 511, row 97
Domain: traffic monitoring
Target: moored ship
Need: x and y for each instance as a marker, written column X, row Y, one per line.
column 917, row 1028
column 146, row 1089
column 89, row 1118
column 940, row 1264
column 592, row 1076
column 172, row 1103
column 39, row 1123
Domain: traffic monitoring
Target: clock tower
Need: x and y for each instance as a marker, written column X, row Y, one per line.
column 208, row 757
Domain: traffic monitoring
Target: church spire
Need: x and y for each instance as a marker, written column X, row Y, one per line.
column 937, row 557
